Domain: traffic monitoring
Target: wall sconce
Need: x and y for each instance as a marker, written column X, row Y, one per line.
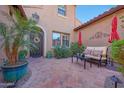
column 35, row 17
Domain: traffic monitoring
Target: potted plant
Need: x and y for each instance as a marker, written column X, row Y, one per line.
column 49, row 54
column 22, row 55
column 117, row 53
column 13, row 41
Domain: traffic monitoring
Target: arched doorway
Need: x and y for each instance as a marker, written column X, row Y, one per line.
column 38, row 40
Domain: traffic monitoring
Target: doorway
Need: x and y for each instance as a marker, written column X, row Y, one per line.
column 38, row 40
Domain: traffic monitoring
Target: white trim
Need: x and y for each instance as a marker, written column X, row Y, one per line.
column 45, row 36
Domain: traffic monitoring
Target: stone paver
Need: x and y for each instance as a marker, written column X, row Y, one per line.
column 61, row 73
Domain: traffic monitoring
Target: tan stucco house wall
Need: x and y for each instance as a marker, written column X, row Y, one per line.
column 97, row 33
column 77, row 22
column 51, row 21
column 3, row 19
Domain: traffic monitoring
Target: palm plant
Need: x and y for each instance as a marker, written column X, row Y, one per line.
column 14, row 36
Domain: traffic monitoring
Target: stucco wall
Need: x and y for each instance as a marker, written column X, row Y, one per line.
column 77, row 22
column 3, row 19
column 51, row 21
column 104, row 27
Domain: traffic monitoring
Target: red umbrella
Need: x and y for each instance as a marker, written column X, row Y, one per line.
column 79, row 38
column 114, row 35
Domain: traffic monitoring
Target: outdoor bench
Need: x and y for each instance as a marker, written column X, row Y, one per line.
column 97, row 54
column 93, row 54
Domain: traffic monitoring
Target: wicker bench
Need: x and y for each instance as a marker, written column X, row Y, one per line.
column 96, row 53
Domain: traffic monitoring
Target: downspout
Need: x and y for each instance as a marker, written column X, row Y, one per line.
column 22, row 10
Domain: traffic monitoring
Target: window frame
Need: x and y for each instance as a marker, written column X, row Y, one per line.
column 61, row 38
column 52, row 38
column 67, row 36
column 62, row 10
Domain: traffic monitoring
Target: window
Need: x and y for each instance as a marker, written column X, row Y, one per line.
column 62, row 10
column 56, row 39
column 65, row 40
column 60, row 39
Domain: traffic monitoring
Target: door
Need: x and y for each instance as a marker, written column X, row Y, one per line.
column 38, row 40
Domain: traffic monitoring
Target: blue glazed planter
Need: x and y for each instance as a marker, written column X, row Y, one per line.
column 49, row 56
column 14, row 73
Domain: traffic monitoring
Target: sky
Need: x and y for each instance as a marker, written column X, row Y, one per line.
column 87, row 12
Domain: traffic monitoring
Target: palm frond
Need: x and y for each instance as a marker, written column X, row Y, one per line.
column 3, row 29
column 13, row 34
column 28, row 44
column 2, row 45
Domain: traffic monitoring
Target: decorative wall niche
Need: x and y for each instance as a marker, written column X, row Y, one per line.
column 122, row 21
column 99, row 35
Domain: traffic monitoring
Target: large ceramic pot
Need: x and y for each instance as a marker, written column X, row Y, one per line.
column 14, row 72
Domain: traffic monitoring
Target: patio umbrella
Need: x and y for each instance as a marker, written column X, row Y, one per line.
column 114, row 34
column 79, row 39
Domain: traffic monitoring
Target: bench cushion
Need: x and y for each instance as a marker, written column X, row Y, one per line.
column 97, row 53
column 95, row 57
column 104, row 49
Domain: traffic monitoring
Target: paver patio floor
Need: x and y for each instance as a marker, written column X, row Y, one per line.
column 59, row 73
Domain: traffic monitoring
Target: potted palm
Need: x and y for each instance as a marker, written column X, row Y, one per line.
column 14, row 39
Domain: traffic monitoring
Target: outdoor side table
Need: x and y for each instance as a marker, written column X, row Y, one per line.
column 78, row 56
column 81, row 57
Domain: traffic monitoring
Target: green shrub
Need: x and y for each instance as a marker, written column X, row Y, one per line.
column 118, row 51
column 117, row 54
column 57, row 52
column 62, row 52
column 66, row 52
column 76, row 49
column 121, row 69
column 49, row 54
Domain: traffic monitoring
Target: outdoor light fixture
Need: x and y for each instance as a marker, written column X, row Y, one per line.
column 35, row 17
column 116, row 80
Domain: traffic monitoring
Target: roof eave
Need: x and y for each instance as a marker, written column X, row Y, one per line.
column 107, row 13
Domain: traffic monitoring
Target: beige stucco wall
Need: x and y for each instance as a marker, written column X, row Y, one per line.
column 77, row 22
column 51, row 21
column 103, row 26
column 3, row 19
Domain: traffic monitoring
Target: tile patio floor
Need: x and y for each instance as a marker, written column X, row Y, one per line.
column 54, row 73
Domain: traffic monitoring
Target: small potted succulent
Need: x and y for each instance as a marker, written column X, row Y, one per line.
column 49, row 54
column 13, row 41
column 22, row 55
